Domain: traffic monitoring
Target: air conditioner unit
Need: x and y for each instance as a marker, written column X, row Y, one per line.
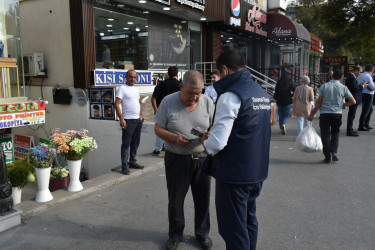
column 33, row 64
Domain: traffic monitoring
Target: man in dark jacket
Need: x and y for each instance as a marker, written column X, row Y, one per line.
column 356, row 90
column 239, row 143
column 170, row 85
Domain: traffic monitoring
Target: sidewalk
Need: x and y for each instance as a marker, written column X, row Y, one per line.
column 30, row 207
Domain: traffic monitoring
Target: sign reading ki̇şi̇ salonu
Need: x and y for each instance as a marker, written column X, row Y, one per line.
column 21, row 114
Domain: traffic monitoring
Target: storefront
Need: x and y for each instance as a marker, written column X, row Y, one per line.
column 316, row 53
column 291, row 46
column 243, row 28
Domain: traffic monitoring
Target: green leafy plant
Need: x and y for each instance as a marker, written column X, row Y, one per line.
column 19, row 172
column 59, row 172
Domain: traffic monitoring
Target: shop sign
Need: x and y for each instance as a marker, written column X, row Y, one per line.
column 278, row 32
column 195, row 4
column 255, row 19
column 335, row 61
column 22, row 145
column 118, row 77
column 317, row 44
column 6, row 142
column 235, row 8
column 21, row 114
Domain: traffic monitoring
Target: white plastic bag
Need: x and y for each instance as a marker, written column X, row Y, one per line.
column 308, row 140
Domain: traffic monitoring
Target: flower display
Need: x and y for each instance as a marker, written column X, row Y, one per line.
column 73, row 144
column 59, row 172
column 42, row 156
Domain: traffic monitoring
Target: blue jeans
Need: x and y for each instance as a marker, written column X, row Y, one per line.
column 236, row 214
column 131, row 137
column 159, row 143
column 302, row 122
column 284, row 113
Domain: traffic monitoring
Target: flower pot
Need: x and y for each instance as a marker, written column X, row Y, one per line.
column 42, row 179
column 74, row 172
column 57, row 183
column 16, row 195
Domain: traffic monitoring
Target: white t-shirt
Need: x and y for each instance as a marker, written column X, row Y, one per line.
column 130, row 101
column 211, row 92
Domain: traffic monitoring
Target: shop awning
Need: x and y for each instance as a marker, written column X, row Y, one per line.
column 280, row 27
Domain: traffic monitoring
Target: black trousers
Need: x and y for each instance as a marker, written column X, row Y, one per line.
column 329, row 132
column 364, row 119
column 351, row 116
column 182, row 172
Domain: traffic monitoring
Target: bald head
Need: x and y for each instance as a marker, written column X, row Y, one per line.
column 193, row 79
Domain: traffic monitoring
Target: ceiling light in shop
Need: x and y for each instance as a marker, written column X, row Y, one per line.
column 111, row 19
column 101, row 34
column 142, row 1
column 130, row 23
column 228, row 41
column 183, row 21
column 221, row 36
column 120, row 5
column 146, row 12
column 137, row 29
column 146, row 26
column 109, row 25
column 110, row 30
column 166, row 8
column 230, row 38
column 203, row 19
column 125, row 28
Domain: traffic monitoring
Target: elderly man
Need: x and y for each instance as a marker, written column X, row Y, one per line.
column 130, row 116
column 178, row 113
column 331, row 97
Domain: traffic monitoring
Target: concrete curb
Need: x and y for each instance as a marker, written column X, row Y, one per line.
column 31, row 208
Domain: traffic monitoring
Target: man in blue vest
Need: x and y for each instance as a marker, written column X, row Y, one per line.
column 239, row 143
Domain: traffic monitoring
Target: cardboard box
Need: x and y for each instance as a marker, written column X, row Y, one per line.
column 128, row 66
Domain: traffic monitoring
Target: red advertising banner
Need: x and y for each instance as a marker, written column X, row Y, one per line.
column 22, row 145
column 21, row 114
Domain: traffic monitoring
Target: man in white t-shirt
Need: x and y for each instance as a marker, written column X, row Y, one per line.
column 130, row 116
column 210, row 91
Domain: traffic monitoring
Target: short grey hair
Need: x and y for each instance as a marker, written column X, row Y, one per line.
column 193, row 79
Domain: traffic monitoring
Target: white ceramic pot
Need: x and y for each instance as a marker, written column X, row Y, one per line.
column 16, row 195
column 42, row 179
column 74, row 172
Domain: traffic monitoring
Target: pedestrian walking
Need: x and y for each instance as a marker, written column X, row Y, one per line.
column 239, row 144
column 330, row 102
column 284, row 98
column 302, row 102
column 130, row 116
column 178, row 113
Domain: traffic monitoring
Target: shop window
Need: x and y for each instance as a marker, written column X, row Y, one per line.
column 287, row 58
column 121, row 38
column 11, row 77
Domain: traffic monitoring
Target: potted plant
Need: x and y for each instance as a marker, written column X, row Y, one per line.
column 20, row 172
column 73, row 145
column 42, row 158
column 58, row 179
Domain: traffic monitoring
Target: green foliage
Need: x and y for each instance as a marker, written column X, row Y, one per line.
column 346, row 26
column 18, row 172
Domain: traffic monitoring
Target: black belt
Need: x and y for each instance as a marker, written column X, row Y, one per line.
column 193, row 155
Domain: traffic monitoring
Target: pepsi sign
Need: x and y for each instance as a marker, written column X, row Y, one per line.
column 235, row 7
